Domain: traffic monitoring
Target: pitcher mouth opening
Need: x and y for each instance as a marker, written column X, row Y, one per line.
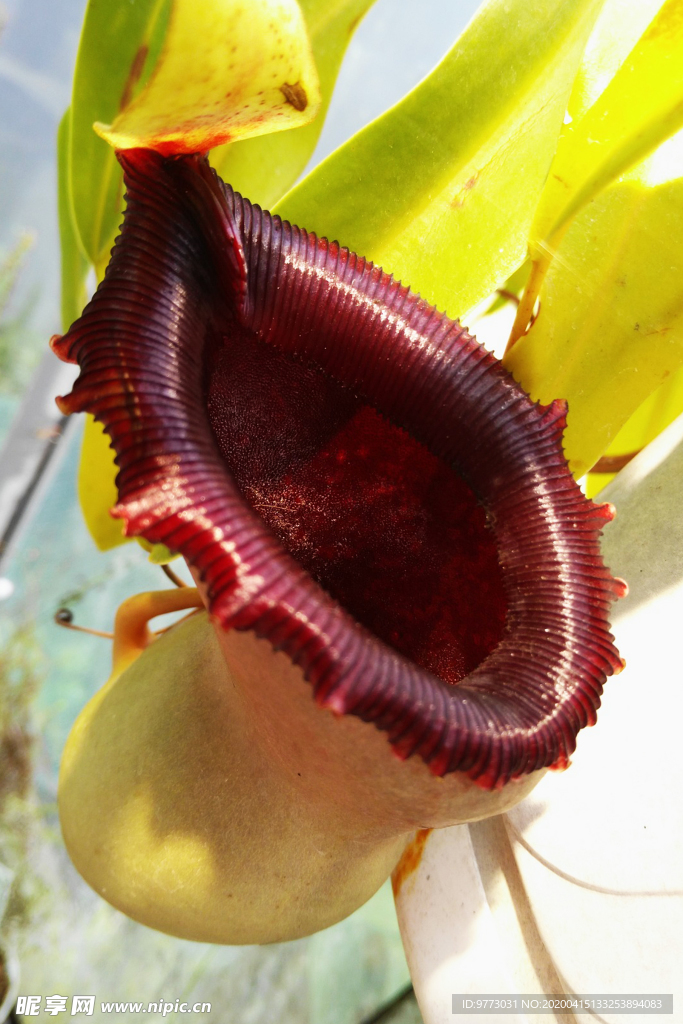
column 383, row 526
column 353, row 477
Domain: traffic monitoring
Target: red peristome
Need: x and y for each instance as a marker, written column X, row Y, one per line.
column 301, row 427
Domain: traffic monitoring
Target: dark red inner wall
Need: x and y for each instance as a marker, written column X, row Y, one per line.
column 388, row 530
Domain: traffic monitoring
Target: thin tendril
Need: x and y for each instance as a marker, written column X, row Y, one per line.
column 64, row 618
column 173, row 577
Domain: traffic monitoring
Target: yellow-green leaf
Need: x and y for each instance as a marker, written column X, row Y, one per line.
column 229, row 69
column 96, row 488
column 610, row 327
column 159, row 554
column 442, row 188
column 618, row 28
column 74, row 262
column 648, row 421
column 130, row 35
column 641, row 106
column 511, row 289
column 264, row 167
column 97, row 494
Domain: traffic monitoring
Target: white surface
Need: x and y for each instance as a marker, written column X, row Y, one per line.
column 449, row 936
column 614, row 821
column 584, row 894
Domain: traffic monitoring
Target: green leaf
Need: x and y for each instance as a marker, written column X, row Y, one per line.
column 228, row 70
column 74, row 263
column 264, row 167
column 442, row 188
column 120, row 43
column 610, row 327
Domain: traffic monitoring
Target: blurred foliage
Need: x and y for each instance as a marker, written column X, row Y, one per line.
column 20, row 677
column 17, row 355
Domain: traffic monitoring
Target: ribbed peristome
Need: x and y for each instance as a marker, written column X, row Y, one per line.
column 193, row 262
